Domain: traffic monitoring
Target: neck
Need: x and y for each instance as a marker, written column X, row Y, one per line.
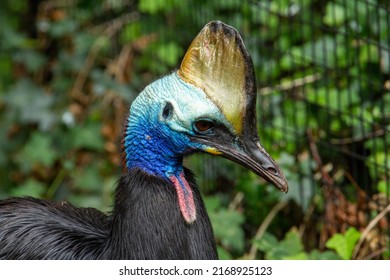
column 147, row 149
column 147, row 223
column 149, row 145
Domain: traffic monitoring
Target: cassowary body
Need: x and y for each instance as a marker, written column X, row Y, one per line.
column 208, row 105
column 40, row 229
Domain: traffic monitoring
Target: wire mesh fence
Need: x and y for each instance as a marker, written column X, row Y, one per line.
column 332, row 103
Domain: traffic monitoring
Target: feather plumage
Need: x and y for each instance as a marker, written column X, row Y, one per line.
column 144, row 224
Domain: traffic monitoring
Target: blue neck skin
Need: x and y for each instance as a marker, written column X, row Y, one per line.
column 150, row 148
column 149, row 143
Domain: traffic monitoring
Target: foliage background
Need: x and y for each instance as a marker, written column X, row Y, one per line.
column 70, row 68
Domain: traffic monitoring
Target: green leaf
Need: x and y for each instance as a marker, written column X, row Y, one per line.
column 32, row 59
column 155, row 6
column 6, row 66
column 14, row 39
column 150, row 6
column 369, row 53
column 344, row 244
column 90, row 200
column 212, row 203
column 131, row 32
column 289, row 248
column 335, row 14
column 88, row 136
column 298, row 256
column 267, row 242
column 83, row 42
column 63, row 27
column 29, row 188
column 38, row 150
column 386, row 255
column 223, row 254
column 169, row 53
column 227, row 228
column 31, row 104
column 88, row 179
column 382, row 186
column 326, row 255
column 292, row 243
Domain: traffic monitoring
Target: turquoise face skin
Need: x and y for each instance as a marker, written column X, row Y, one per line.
column 160, row 123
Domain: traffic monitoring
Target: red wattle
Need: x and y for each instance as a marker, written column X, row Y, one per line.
column 184, row 197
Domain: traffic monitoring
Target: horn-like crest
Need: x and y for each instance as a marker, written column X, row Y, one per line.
column 218, row 63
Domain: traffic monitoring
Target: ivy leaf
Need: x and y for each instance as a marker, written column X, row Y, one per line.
column 38, row 150
column 299, row 256
column 228, row 224
column 344, row 244
column 288, row 249
column 223, row 254
column 227, row 228
column 63, row 27
column 90, row 200
column 326, row 255
column 32, row 59
column 30, row 103
column 212, row 203
column 88, row 136
column 88, row 179
column 266, row 243
column 292, row 244
column 30, row 188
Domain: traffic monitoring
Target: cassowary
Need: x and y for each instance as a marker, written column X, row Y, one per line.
column 208, row 105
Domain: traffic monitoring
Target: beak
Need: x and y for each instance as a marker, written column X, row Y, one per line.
column 254, row 157
column 249, row 153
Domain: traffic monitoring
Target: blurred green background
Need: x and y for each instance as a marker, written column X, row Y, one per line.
column 70, row 68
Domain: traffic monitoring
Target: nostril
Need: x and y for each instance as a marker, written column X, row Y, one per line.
column 271, row 170
column 264, row 159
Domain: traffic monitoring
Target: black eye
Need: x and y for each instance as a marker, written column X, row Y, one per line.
column 167, row 111
column 203, row 126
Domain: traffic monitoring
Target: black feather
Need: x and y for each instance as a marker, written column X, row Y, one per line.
column 145, row 224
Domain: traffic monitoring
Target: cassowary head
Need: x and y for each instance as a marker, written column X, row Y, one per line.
column 208, row 105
